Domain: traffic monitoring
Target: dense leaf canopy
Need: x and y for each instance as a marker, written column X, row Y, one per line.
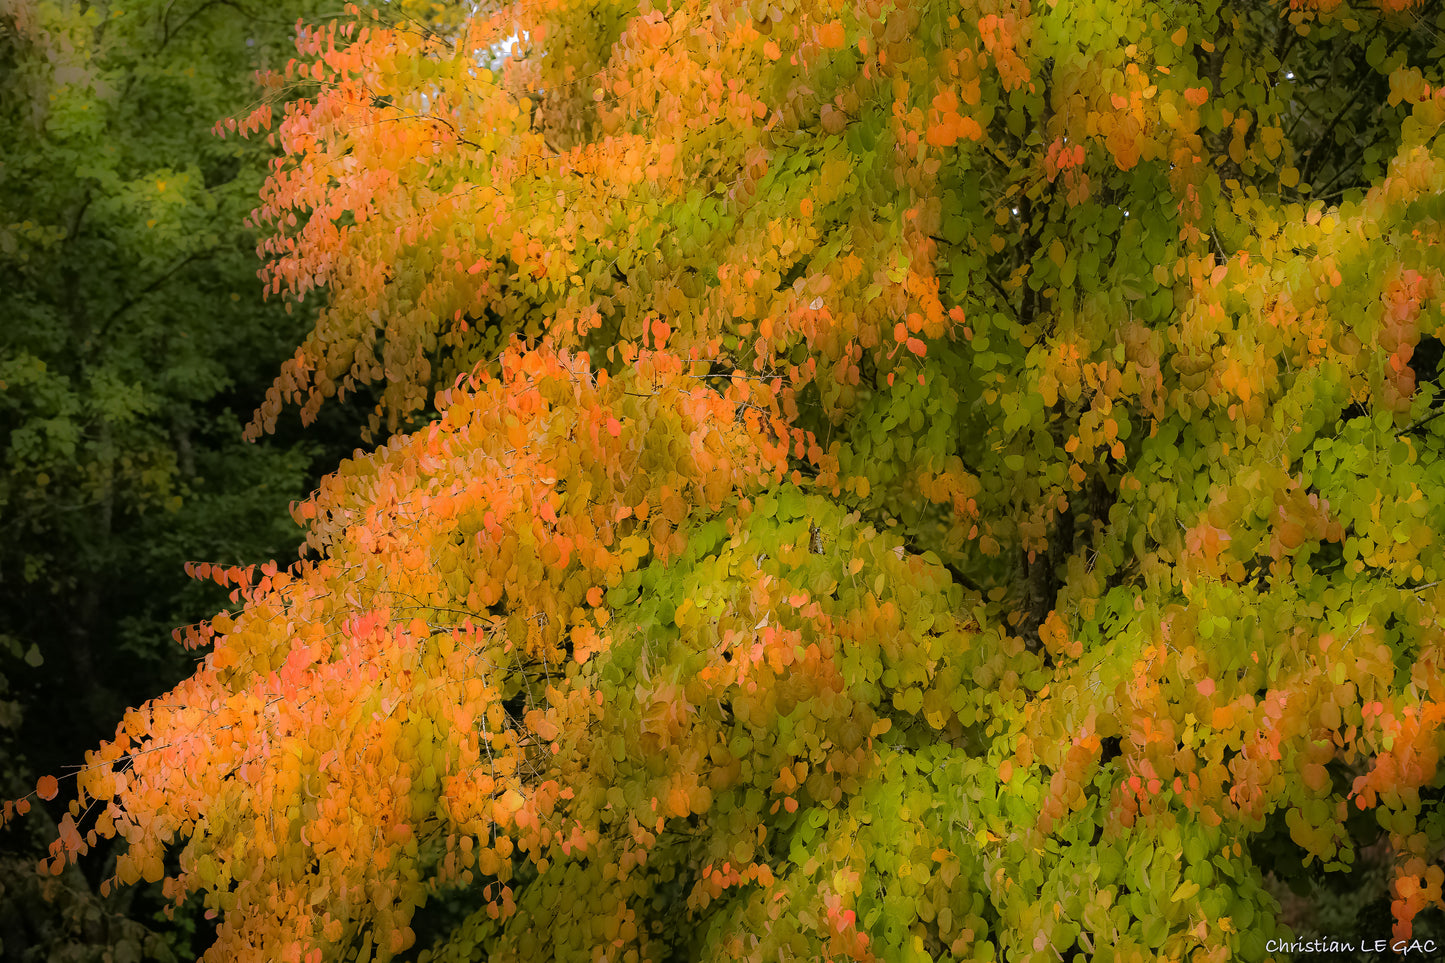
column 910, row 480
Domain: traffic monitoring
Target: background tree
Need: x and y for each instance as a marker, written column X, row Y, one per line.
column 133, row 335
column 910, row 481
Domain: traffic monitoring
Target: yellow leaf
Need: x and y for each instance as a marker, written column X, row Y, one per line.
column 1186, row 890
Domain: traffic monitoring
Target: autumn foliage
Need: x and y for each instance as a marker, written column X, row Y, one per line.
column 896, row 480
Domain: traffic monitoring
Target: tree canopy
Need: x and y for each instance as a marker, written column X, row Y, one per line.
column 908, row 480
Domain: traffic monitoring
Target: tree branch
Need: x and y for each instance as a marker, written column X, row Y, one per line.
column 151, row 288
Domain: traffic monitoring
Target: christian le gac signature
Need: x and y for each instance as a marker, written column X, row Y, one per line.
column 1328, row 945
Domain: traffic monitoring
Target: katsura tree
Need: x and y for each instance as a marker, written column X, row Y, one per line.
column 908, row 480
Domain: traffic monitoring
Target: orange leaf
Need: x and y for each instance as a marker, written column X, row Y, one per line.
column 47, row 787
column 831, row 35
column 969, row 128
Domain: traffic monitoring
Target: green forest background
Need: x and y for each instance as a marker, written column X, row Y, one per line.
column 134, row 344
